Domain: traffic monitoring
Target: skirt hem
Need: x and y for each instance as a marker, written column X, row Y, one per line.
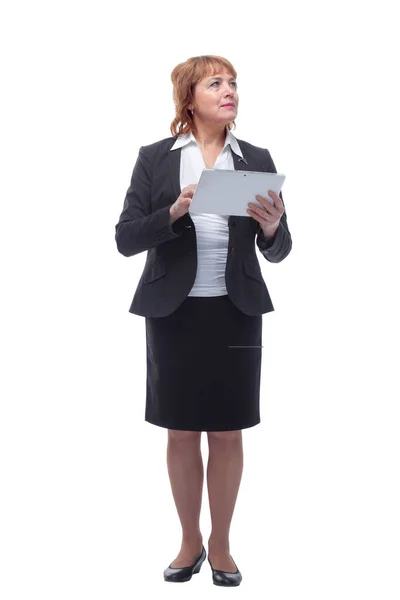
column 180, row 428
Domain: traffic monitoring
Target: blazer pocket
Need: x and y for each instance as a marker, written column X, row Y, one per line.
column 154, row 271
column 252, row 269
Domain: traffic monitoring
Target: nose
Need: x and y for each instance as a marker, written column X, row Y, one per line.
column 228, row 92
column 228, row 89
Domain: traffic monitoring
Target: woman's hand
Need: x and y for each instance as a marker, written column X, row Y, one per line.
column 182, row 203
column 269, row 215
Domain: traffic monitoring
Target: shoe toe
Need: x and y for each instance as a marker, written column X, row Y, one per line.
column 183, row 574
column 225, row 577
column 179, row 574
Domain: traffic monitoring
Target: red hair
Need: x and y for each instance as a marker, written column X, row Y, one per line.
column 184, row 77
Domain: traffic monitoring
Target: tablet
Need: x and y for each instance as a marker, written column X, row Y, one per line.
column 228, row 192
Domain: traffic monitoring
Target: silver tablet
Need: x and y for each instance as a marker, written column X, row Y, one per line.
column 228, row 192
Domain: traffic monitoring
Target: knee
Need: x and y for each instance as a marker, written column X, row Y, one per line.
column 225, row 436
column 176, row 435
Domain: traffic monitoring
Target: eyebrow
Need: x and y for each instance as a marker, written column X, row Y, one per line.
column 217, row 77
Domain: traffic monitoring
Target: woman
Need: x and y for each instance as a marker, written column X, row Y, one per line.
column 203, row 296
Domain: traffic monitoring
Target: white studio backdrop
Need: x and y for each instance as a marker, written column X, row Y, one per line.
column 86, row 505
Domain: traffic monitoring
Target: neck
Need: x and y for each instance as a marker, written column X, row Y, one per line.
column 210, row 137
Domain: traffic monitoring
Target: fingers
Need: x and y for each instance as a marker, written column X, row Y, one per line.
column 188, row 191
column 276, row 209
column 256, row 210
column 278, row 204
column 187, row 194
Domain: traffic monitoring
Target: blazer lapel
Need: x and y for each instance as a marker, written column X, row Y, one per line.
column 242, row 164
column 175, row 169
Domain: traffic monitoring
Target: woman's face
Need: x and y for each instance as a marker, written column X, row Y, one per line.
column 210, row 96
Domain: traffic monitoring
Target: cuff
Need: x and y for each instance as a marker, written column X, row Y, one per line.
column 267, row 244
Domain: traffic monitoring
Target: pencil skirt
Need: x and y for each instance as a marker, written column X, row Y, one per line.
column 204, row 366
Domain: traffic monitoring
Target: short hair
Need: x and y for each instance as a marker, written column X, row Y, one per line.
column 184, row 77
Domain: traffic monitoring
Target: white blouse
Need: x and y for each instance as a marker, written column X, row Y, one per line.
column 212, row 231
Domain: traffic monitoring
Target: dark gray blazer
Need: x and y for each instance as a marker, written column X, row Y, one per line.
column 171, row 264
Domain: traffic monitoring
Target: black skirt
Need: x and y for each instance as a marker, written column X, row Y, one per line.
column 204, row 366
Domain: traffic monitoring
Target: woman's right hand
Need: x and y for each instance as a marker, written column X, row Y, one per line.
column 182, row 203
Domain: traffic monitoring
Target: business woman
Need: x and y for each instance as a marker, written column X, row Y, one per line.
column 202, row 295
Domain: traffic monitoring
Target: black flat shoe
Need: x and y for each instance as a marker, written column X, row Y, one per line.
column 225, row 577
column 179, row 574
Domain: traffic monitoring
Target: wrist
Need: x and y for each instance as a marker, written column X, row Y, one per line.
column 172, row 218
column 269, row 232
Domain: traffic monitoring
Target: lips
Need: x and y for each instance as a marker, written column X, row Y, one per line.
column 229, row 104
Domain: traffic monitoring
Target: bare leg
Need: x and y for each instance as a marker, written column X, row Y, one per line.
column 224, row 473
column 186, row 473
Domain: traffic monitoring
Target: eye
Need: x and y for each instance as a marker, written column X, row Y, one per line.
column 232, row 83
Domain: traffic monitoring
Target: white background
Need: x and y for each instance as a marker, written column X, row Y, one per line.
column 86, row 505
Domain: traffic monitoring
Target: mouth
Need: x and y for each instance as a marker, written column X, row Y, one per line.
column 228, row 106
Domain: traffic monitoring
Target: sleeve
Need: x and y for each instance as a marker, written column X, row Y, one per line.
column 139, row 229
column 277, row 248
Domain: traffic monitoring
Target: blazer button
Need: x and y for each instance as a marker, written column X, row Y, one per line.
column 232, row 250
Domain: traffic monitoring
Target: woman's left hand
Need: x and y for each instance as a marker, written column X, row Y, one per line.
column 268, row 216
